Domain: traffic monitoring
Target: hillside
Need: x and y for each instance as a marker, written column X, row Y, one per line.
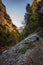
column 5, row 19
column 24, row 54
column 8, row 31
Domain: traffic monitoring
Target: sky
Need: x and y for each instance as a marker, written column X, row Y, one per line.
column 16, row 9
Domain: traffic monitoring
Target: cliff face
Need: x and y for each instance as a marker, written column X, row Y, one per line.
column 8, row 31
column 5, row 19
column 36, row 3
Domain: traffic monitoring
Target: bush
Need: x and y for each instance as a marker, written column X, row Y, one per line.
column 7, row 38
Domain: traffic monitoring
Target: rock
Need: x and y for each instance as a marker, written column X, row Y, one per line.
column 32, row 56
column 8, row 31
column 5, row 18
column 6, row 22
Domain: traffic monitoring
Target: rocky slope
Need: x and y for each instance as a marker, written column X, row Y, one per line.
column 35, row 5
column 33, row 54
column 5, row 18
column 8, row 31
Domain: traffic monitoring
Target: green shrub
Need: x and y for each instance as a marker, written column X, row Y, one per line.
column 24, row 49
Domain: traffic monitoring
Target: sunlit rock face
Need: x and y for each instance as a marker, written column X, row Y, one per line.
column 5, row 18
column 38, row 1
column 2, row 11
column 35, row 5
column 6, row 22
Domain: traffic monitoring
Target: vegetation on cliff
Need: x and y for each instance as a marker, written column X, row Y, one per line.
column 33, row 18
column 9, row 33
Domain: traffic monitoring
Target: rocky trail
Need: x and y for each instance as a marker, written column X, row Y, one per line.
column 22, row 54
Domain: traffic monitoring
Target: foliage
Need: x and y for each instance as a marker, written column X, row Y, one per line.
column 27, row 14
column 24, row 49
column 6, row 37
column 33, row 18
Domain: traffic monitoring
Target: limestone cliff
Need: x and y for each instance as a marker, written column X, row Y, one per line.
column 36, row 3
column 8, row 31
column 5, row 19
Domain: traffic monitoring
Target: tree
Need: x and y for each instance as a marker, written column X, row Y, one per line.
column 27, row 14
